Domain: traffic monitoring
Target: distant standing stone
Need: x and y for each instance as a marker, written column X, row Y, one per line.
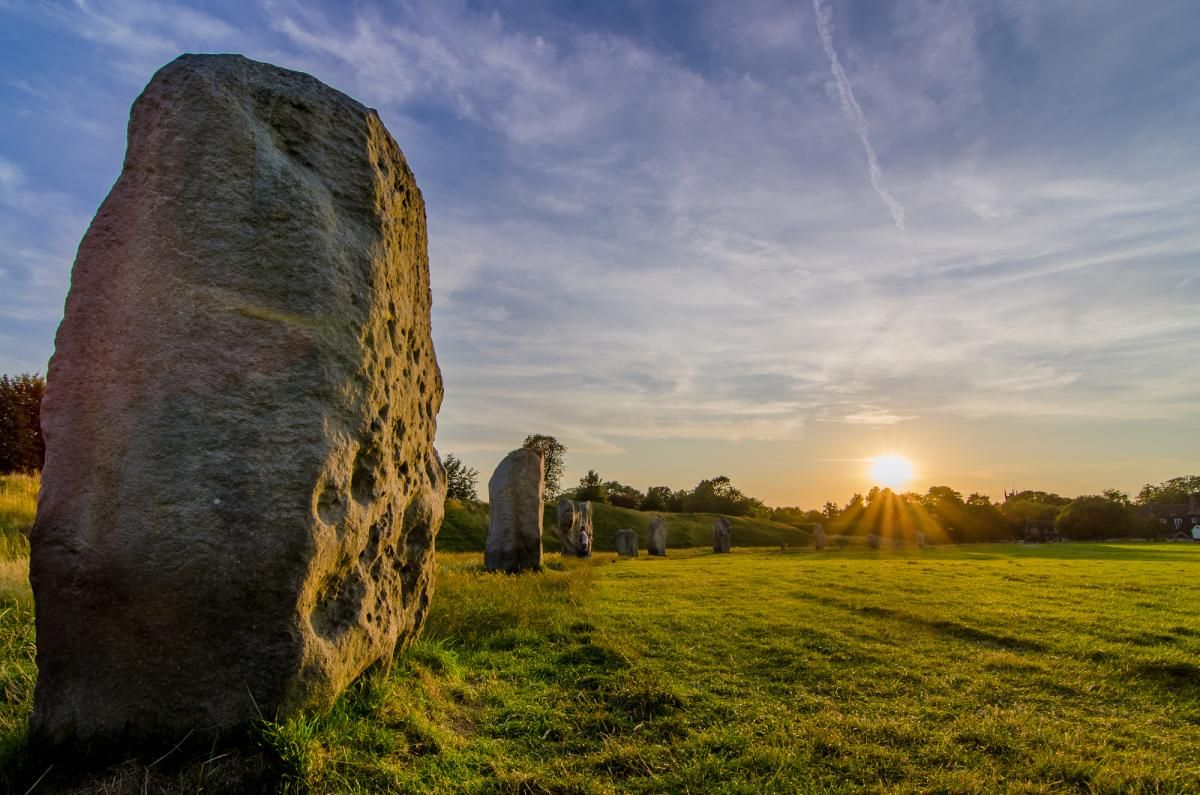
column 721, row 534
column 241, row 494
column 515, row 494
column 920, row 539
column 574, row 519
column 819, row 537
column 567, row 526
column 656, row 537
column 626, row 542
column 873, row 541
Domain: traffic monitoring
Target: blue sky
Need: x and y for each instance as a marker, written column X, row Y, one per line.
column 764, row 239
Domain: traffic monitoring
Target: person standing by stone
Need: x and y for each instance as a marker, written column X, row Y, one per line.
column 656, row 537
column 722, row 534
column 241, row 493
column 516, row 491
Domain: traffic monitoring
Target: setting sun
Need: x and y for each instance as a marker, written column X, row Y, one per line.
column 893, row 471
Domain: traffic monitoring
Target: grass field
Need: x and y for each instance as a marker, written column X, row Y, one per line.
column 18, row 503
column 466, row 524
column 1070, row 668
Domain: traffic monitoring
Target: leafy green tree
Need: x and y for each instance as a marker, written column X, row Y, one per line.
column 658, row 498
column 21, row 446
column 462, row 480
column 623, row 496
column 1093, row 517
column 830, row 510
column 553, row 453
column 1173, row 491
column 591, row 488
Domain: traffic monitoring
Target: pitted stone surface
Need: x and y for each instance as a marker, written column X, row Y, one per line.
column 241, row 494
column 574, row 518
column 516, row 491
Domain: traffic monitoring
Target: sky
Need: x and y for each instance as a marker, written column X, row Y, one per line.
column 762, row 239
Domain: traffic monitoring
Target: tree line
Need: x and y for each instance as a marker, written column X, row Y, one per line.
column 21, row 445
column 941, row 514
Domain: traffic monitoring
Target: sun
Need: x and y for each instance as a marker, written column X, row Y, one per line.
column 891, row 470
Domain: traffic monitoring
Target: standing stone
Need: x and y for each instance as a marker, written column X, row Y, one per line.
column 656, row 537
column 920, row 539
column 573, row 519
column 819, row 537
column 567, row 527
column 515, row 494
column 721, row 534
column 626, row 542
column 873, row 541
column 585, row 525
column 241, row 494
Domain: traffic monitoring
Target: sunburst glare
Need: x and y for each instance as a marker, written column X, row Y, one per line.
column 892, row 471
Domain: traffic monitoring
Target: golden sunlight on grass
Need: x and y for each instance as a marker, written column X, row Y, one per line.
column 892, row 471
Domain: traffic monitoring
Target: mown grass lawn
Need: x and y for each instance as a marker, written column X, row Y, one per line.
column 1060, row 668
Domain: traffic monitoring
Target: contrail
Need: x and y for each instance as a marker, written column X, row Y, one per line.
column 852, row 108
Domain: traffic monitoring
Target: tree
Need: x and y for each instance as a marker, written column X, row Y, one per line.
column 1094, row 516
column 623, row 496
column 1118, row 496
column 21, row 446
column 552, row 452
column 461, row 479
column 591, row 488
column 1173, row 491
column 830, row 510
column 658, row 498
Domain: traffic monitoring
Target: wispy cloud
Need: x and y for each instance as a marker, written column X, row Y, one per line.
column 855, row 112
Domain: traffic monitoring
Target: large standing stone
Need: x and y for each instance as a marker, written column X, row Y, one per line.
column 241, row 494
column 515, row 494
column 920, row 539
column 721, row 534
column 819, row 537
column 656, row 537
column 626, row 542
column 574, row 519
column 567, row 526
column 873, row 541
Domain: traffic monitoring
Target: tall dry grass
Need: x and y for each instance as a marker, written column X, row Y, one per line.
column 18, row 505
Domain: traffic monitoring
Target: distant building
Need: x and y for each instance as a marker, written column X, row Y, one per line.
column 1039, row 530
column 1179, row 518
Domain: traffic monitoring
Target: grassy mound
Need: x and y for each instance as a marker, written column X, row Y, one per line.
column 466, row 523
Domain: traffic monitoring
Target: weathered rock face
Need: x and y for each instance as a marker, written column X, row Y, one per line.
column 574, row 519
column 721, row 534
column 515, row 494
column 656, row 537
column 626, row 542
column 819, row 537
column 241, row 494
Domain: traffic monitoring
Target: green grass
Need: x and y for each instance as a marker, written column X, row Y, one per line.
column 18, row 503
column 1062, row 668
column 466, row 524
column 1056, row 668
